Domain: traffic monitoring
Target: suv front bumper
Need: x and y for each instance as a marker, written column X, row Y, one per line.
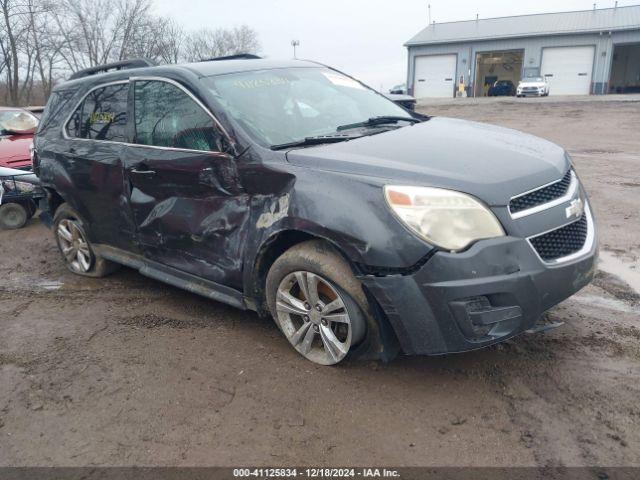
column 463, row 301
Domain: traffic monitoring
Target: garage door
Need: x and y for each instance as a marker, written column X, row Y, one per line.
column 568, row 69
column 434, row 76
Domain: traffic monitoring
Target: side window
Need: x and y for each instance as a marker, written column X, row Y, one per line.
column 102, row 115
column 56, row 104
column 165, row 116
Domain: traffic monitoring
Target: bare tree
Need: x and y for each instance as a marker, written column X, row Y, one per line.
column 172, row 40
column 95, row 32
column 156, row 38
column 207, row 43
column 43, row 40
column 12, row 32
column 44, row 43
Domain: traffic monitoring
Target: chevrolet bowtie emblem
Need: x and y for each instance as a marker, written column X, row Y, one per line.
column 575, row 208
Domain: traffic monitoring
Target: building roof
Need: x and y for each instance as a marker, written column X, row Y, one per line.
column 586, row 21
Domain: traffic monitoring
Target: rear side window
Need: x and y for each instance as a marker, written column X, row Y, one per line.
column 166, row 116
column 102, row 115
column 56, row 104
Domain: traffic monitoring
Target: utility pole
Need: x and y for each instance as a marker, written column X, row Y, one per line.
column 429, row 9
column 294, row 44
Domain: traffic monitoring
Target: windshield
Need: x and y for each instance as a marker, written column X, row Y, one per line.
column 17, row 121
column 280, row 106
column 534, row 79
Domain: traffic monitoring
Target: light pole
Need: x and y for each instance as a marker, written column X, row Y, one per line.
column 294, row 44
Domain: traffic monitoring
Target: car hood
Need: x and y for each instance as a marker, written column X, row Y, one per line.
column 489, row 162
column 14, row 150
column 531, row 84
column 396, row 97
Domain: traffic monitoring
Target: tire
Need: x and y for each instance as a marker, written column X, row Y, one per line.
column 69, row 230
column 32, row 209
column 308, row 320
column 13, row 216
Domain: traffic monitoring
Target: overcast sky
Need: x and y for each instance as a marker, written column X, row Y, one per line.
column 361, row 37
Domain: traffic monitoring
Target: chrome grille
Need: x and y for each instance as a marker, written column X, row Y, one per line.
column 563, row 241
column 542, row 195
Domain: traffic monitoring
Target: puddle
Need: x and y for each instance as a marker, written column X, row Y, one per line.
column 611, row 264
column 49, row 285
column 603, row 302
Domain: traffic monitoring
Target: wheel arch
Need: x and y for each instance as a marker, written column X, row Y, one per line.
column 381, row 342
column 54, row 200
column 270, row 249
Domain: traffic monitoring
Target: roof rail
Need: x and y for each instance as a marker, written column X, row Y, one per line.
column 123, row 65
column 238, row 56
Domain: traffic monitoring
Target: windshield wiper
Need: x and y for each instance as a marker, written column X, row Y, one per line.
column 373, row 121
column 319, row 140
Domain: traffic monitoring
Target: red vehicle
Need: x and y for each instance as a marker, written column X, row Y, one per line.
column 17, row 127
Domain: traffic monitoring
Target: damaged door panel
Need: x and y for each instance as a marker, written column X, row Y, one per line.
column 188, row 205
column 186, row 213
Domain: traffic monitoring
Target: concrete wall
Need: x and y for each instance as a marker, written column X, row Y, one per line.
column 532, row 47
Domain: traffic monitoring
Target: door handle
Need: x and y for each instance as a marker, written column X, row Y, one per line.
column 143, row 172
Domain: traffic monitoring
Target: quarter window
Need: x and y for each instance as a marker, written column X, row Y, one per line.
column 102, row 115
column 166, row 116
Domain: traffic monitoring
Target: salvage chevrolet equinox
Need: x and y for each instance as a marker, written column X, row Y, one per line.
column 292, row 189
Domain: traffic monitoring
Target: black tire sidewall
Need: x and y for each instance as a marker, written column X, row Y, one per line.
column 99, row 267
column 6, row 209
column 332, row 269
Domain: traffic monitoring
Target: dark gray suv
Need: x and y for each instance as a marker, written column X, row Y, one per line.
column 292, row 189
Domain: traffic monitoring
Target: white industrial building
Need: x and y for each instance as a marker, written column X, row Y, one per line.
column 587, row 52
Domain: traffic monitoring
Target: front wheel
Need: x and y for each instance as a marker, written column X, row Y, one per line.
column 317, row 302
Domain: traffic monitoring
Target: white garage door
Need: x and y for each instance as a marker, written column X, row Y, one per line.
column 434, row 76
column 568, row 69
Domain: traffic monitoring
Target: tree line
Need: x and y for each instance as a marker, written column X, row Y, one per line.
column 43, row 41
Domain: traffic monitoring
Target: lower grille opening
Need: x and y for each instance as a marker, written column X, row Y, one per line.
column 562, row 241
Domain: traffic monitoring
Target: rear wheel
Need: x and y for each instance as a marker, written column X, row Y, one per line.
column 13, row 216
column 77, row 252
column 314, row 299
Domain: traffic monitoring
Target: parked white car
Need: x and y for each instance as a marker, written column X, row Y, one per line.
column 537, row 86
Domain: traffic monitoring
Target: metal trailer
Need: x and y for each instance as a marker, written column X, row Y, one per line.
column 19, row 196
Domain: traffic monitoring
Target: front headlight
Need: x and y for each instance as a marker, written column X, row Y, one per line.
column 445, row 218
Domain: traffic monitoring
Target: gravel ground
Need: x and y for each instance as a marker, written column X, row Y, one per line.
column 128, row 371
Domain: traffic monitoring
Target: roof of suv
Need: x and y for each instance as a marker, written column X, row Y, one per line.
column 202, row 69
column 221, row 67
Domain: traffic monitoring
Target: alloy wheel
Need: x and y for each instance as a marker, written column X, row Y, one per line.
column 314, row 318
column 74, row 246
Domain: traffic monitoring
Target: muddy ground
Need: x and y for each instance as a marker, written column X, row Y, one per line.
column 128, row 371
